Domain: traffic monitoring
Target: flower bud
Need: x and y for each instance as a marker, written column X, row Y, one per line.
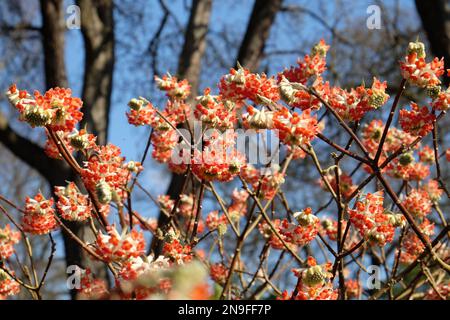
column 374, row 236
column 397, row 220
column 314, row 276
column 79, row 140
column 287, row 92
column 222, row 229
column 135, row 104
column 406, row 158
column 377, row 100
column 305, row 218
column 133, row 166
column 433, row 91
column 261, row 119
column 320, row 49
column 327, row 224
column 376, row 135
column 37, row 117
column 418, row 48
column 238, row 77
column 103, row 192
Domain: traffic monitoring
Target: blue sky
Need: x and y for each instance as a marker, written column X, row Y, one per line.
column 230, row 16
column 132, row 76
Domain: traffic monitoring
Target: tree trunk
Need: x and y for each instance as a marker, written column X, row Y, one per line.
column 53, row 30
column 258, row 30
column 250, row 54
column 97, row 26
column 435, row 16
column 53, row 43
column 189, row 68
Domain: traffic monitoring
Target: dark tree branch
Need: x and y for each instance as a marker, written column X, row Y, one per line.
column 53, row 43
column 30, row 153
column 189, row 68
column 97, row 26
column 189, row 63
column 435, row 16
column 257, row 33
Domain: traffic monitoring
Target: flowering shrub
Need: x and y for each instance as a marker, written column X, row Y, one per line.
column 199, row 254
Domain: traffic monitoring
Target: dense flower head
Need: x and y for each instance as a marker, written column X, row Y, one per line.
column 215, row 112
column 353, row 288
column 136, row 268
column 308, row 67
column 417, row 71
column 8, row 238
column 241, row 84
column 51, row 149
column 426, row 155
column 412, row 245
column 8, row 286
column 175, row 90
column 214, row 220
column 219, row 273
column 238, row 206
column 353, row 104
column 371, row 220
column 396, row 138
column 81, row 139
column 178, row 164
column 305, row 231
column 271, row 237
column 177, row 252
column 329, row 227
column 433, row 190
column 295, row 129
column 38, row 217
column 315, row 282
column 266, row 181
column 406, row 168
column 114, row 246
column 296, row 96
column 346, row 185
column 418, row 203
column 219, row 159
column 105, row 174
column 178, row 110
column 72, row 205
column 175, row 249
column 90, row 287
column 56, row 108
column 419, row 171
column 371, row 135
column 141, row 113
column 163, row 143
column 257, row 119
column 418, row 121
column 442, row 100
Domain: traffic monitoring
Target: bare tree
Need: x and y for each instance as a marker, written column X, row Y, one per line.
column 97, row 28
